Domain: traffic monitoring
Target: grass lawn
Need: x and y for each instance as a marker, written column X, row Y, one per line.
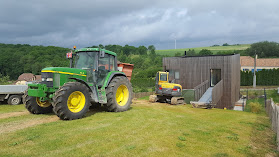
column 216, row 49
column 146, row 129
column 4, row 108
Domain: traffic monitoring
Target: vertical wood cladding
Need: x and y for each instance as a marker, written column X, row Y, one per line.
column 195, row 70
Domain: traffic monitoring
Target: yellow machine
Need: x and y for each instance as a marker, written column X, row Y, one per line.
column 165, row 91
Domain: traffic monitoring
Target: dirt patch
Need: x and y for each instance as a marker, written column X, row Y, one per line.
column 14, row 126
column 13, row 114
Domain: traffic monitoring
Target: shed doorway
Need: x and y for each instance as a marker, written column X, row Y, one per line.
column 215, row 76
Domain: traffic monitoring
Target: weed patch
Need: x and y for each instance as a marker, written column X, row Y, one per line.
column 181, row 138
column 221, row 155
column 233, row 137
column 180, row 145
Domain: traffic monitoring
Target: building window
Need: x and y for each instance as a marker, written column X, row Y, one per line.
column 176, row 75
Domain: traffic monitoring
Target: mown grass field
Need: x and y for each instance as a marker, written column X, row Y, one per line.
column 145, row 130
column 215, row 49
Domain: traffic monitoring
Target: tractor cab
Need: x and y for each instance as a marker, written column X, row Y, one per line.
column 97, row 63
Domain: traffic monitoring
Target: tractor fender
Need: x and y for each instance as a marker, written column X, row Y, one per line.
column 112, row 75
column 92, row 90
column 83, row 82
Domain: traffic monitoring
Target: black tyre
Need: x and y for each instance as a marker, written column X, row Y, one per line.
column 14, row 100
column 35, row 106
column 71, row 101
column 119, row 94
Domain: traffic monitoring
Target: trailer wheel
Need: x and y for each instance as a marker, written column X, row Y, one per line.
column 14, row 100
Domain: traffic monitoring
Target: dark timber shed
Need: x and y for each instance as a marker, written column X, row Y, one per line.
column 221, row 72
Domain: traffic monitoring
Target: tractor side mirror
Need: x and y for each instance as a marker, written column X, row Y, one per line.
column 102, row 54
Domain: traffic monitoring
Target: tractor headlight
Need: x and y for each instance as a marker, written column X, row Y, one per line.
column 49, row 79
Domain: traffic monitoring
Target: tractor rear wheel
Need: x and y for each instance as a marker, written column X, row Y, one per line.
column 119, row 94
column 71, row 101
column 35, row 106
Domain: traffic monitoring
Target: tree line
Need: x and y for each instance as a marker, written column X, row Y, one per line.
column 17, row 59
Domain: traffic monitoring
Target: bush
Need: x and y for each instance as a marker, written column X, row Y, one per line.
column 4, row 79
column 205, row 52
column 255, row 107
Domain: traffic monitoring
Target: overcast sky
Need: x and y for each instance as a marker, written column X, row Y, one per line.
column 193, row 23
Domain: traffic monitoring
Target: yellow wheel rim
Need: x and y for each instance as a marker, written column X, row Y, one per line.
column 122, row 95
column 76, row 101
column 42, row 103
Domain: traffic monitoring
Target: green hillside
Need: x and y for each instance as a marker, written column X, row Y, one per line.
column 214, row 49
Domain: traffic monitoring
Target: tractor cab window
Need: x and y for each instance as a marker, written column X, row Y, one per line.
column 104, row 63
column 86, row 60
column 112, row 62
column 163, row 77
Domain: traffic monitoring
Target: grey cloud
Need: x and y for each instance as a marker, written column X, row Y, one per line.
column 86, row 22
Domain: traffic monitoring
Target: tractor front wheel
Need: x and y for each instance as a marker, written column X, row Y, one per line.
column 119, row 94
column 71, row 101
column 35, row 106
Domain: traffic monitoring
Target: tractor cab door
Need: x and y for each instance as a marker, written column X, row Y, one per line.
column 161, row 77
column 105, row 65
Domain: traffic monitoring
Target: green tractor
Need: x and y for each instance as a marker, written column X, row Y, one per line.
column 69, row 92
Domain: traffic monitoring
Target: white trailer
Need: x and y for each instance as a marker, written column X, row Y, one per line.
column 12, row 93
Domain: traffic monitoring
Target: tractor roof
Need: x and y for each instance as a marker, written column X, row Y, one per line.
column 95, row 49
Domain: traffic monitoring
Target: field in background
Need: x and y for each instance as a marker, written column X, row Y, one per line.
column 156, row 129
column 214, row 49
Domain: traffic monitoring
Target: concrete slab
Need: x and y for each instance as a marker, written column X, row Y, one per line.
column 207, row 96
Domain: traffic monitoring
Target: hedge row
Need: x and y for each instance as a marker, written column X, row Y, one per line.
column 142, row 84
column 264, row 78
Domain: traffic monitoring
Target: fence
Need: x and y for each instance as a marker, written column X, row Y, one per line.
column 272, row 111
column 142, row 94
column 189, row 95
column 217, row 92
column 201, row 89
